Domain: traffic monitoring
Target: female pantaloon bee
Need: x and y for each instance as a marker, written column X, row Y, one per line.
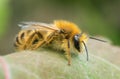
column 61, row 35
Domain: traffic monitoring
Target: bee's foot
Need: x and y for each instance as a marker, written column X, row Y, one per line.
column 69, row 63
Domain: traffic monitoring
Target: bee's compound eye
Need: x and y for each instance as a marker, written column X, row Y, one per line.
column 76, row 42
column 76, row 37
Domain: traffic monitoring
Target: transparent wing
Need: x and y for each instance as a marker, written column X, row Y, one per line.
column 38, row 25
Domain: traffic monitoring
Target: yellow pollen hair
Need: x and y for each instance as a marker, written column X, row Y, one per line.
column 67, row 26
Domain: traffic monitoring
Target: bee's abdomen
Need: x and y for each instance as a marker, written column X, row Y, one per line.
column 25, row 39
column 19, row 40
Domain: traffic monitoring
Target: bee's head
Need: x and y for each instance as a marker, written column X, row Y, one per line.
column 79, row 42
column 78, row 39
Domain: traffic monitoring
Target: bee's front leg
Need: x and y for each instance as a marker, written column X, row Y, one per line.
column 69, row 54
column 66, row 46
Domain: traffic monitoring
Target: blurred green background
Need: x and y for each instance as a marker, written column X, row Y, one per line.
column 96, row 17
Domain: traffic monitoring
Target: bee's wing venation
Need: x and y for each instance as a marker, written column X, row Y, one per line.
column 31, row 25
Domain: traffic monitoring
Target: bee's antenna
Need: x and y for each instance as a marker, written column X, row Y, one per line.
column 97, row 39
column 86, row 50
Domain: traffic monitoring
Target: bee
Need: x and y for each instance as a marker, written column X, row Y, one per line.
column 60, row 35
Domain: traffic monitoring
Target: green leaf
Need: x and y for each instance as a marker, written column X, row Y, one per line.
column 47, row 64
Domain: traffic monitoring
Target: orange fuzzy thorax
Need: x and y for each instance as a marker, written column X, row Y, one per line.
column 68, row 27
column 71, row 28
